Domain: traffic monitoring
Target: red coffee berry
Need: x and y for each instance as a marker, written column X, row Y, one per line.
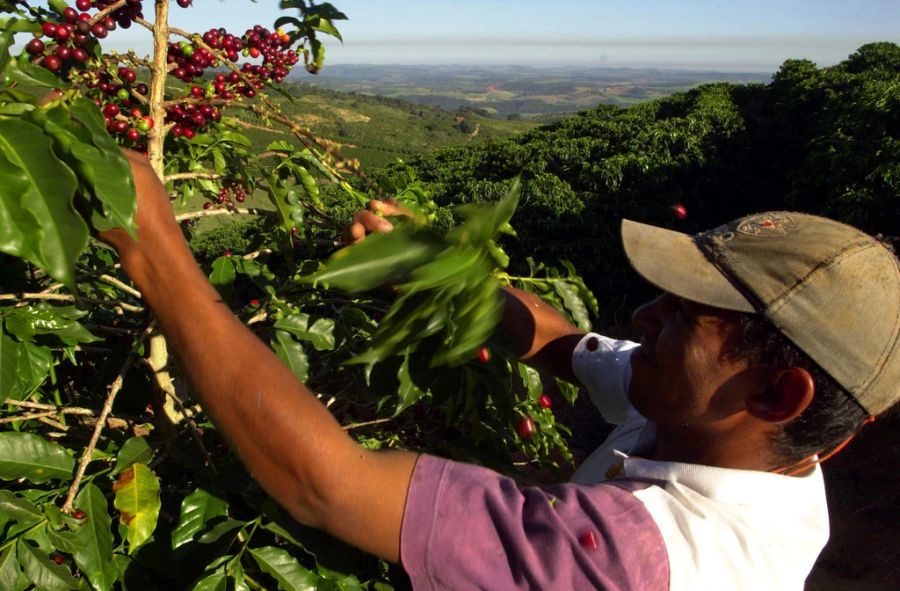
column 35, row 47
column 254, row 302
column 133, row 135
column 70, row 14
column 679, row 211
column 99, row 31
column 484, row 355
column 52, row 63
column 83, row 5
column 526, row 427
column 111, row 110
column 49, row 29
column 227, row 253
column 544, row 401
column 58, row 558
column 79, row 514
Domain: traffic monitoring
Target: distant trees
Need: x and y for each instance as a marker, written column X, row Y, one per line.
column 822, row 140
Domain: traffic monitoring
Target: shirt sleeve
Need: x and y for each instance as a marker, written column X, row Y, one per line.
column 603, row 365
column 467, row 527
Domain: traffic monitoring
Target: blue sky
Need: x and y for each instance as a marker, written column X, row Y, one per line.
column 700, row 34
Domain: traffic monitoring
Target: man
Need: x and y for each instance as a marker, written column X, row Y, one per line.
column 690, row 492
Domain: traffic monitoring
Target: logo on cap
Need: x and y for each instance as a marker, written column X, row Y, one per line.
column 767, row 225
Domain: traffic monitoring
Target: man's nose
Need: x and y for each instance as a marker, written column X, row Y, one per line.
column 647, row 317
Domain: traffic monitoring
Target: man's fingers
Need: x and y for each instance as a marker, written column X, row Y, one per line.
column 372, row 222
column 389, row 207
column 354, row 234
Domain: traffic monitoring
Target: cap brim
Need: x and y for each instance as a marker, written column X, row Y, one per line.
column 673, row 262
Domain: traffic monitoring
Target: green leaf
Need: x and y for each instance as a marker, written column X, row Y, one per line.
column 378, row 260
column 9, row 568
column 137, row 498
column 32, row 369
column 93, row 553
column 320, row 334
column 217, row 581
column 134, row 451
column 19, row 508
column 9, row 365
column 81, row 136
column 43, row 572
column 291, row 353
column 408, row 392
column 30, row 75
column 531, row 380
column 197, row 509
column 573, row 304
column 223, row 274
column 29, row 456
column 220, row 529
column 285, row 569
column 59, row 321
column 38, row 220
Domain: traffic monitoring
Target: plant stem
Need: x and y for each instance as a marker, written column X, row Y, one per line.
column 114, row 389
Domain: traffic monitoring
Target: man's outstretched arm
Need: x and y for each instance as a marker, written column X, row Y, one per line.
column 288, row 440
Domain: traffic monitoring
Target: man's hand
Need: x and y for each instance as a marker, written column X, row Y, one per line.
column 373, row 219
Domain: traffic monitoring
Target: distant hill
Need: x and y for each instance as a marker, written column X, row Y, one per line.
column 379, row 130
column 519, row 91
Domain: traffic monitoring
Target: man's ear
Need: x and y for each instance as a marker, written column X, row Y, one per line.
column 788, row 393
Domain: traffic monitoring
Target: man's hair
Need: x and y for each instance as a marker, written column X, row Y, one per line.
column 832, row 416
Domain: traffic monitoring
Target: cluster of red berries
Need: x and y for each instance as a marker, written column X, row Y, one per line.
column 124, row 117
column 124, row 16
column 230, row 192
column 273, row 47
column 190, row 117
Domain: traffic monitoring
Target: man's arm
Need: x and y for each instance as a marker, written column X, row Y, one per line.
column 289, row 441
column 541, row 336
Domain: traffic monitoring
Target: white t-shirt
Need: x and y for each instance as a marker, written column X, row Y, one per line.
column 722, row 528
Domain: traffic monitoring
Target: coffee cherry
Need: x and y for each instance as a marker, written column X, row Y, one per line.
column 70, row 15
column 35, row 47
column 122, row 94
column 184, row 3
column 254, row 302
column 79, row 55
column 127, row 75
column 79, row 514
column 63, row 33
column 544, row 401
column 679, row 211
column 99, row 31
column 484, row 355
column 228, row 253
column 526, row 428
column 52, row 63
column 83, row 5
column 111, row 110
column 49, row 29
column 133, row 135
column 58, row 558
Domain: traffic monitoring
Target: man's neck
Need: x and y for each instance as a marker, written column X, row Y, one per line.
column 736, row 449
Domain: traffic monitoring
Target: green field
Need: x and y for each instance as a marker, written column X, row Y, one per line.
column 379, row 130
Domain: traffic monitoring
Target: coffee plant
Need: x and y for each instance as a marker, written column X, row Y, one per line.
column 114, row 478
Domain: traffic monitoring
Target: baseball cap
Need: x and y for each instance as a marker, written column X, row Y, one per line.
column 831, row 289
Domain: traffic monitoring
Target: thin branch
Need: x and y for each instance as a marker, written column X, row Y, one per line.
column 365, row 424
column 108, row 10
column 203, row 213
column 59, row 297
column 121, row 285
column 183, row 176
column 114, row 389
column 27, row 416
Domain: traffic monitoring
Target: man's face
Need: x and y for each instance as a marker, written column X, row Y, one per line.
column 683, row 373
